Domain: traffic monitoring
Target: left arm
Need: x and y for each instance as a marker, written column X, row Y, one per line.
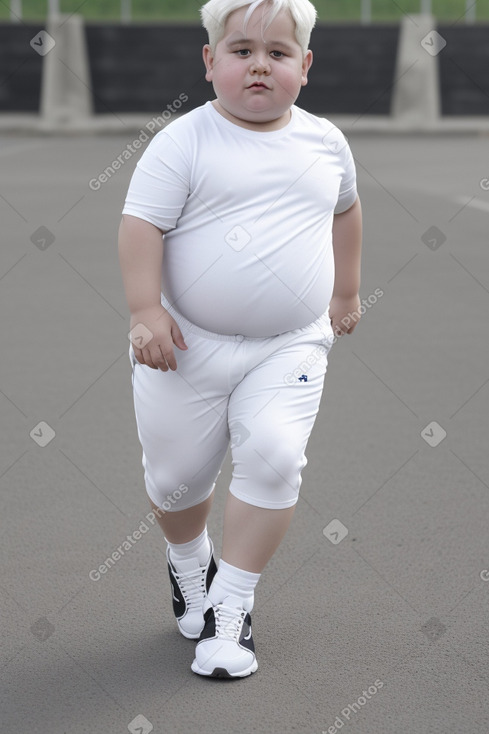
column 347, row 249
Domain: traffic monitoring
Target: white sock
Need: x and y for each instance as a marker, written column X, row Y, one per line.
column 199, row 548
column 233, row 586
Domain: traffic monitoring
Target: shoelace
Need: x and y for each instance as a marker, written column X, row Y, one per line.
column 192, row 586
column 229, row 621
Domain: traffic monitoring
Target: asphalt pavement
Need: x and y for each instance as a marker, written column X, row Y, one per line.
column 372, row 618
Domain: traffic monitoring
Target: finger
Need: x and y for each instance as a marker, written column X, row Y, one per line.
column 338, row 327
column 170, row 360
column 159, row 360
column 148, row 360
column 169, row 357
column 138, row 354
column 336, row 331
column 177, row 337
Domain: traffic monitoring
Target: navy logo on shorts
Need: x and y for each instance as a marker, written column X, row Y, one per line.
column 303, row 378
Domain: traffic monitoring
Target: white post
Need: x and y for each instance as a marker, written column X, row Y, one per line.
column 53, row 8
column 470, row 11
column 366, row 11
column 416, row 94
column 425, row 7
column 66, row 96
column 126, row 11
column 15, row 11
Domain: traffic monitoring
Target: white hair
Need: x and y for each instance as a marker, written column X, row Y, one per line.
column 215, row 13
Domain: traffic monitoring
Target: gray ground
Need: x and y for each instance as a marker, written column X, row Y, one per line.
column 397, row 608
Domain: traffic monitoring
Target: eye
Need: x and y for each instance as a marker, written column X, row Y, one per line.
column 243, row 52
column 277, row 54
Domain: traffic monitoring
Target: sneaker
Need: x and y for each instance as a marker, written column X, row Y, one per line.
column 225, row 648
column 189, row 590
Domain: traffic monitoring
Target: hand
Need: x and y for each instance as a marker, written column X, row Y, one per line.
column 158, row 352
column 344, row 313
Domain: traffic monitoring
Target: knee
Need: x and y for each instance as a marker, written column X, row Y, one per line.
column 271, row 464
column 168, row 497
column 176, row 488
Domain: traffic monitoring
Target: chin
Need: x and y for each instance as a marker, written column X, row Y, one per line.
column 262, row 113
column 253, row 115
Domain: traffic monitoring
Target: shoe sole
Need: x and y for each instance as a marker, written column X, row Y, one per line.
column 187, row 634
column 223, row 673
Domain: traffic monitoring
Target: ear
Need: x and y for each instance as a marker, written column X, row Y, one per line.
column 208, row 61
column 306, row 65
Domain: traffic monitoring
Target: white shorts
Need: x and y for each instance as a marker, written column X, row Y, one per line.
column 260, row 396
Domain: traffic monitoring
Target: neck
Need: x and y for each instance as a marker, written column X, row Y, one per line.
column 266, row 126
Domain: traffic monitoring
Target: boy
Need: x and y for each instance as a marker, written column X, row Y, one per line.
column 236, row 218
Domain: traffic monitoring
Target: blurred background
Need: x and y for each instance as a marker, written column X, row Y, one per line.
column 379, row 64
column 163, row 10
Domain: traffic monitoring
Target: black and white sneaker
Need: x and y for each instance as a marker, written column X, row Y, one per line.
column 190, row 585
column 225, row 648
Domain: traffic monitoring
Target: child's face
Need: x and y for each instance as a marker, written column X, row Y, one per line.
column 258, row 78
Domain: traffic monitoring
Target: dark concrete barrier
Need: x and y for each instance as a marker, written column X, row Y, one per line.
column 353, row 70
column 464, row 70
column 142, row 68
column 20, row 69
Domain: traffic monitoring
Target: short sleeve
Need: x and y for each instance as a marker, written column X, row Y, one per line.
column 348, row 189
column 159, row 186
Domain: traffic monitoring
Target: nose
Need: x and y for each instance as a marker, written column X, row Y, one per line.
column 260, row 65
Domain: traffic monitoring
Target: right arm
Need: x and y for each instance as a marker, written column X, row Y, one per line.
column 141, row 257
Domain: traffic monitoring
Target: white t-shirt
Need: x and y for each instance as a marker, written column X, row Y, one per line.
column 247, row 218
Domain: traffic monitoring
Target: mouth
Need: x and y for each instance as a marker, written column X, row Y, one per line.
column 258, row 85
